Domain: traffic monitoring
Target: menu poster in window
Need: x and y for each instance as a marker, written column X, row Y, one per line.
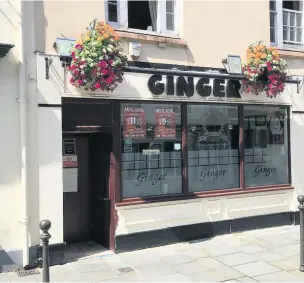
column 165, row 127
column 134, row 123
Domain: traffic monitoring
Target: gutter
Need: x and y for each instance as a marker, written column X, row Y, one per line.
column 22, row 99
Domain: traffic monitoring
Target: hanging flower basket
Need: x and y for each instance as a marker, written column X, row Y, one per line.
column 265, row 71
column 97, row 60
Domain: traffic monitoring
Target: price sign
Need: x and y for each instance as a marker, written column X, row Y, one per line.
column 165, row 124
column 134, row 123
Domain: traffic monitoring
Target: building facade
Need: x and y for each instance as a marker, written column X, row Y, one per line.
column 176, row 152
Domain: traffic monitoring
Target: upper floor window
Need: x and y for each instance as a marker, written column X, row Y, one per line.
column 286, row 24
column 151, row 16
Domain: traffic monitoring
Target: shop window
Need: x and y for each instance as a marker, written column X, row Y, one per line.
column 151, row 150
column 156, row 16
column 213, row 147
column 266, row 146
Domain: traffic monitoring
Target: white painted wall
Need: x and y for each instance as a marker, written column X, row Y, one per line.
column 145, row 217
column 10, row 201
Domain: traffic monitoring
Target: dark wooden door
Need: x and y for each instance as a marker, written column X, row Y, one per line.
column 76, row 205
column 100, row 150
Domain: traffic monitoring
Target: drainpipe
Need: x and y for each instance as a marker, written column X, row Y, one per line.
column 22, row 99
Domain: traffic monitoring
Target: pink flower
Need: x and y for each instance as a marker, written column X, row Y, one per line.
column 73, row 54
column 78, row 46
column 83, row 76
column 103, row 64
column 109, row 80
column 72, row 79
column 111, row 62
column 97, row 85
column 94, row 72
column 72, row 67
column 82, row 61
column 104, row 72
column 76, row 72
column 80, row 82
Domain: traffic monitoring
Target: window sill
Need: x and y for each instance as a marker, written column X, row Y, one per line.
column 227, row 192
column 291, row 53
column 150, row 37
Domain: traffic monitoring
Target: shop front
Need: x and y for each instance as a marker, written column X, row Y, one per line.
column 190, row 156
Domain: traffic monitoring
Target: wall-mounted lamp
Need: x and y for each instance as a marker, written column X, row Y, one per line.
column 233, row 64
column 63, row 47
column 134, row 50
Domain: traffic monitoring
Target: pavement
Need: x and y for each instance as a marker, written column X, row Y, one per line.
column 267, row 255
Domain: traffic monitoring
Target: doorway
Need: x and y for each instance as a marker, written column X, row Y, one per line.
column 87, row 148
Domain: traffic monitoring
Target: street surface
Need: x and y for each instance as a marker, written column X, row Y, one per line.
column 268, row 255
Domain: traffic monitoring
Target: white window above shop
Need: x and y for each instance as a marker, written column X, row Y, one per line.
column 149, row 17
column 286, row 24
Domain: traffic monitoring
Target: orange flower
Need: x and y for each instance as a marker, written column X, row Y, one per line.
column 263, row 56
column 258, row 55
column 105, row 35
column 116, row 38
column 275, row 53
column 99, row 38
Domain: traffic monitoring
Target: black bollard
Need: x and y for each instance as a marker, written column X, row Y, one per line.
column 45, row 226
column 301, row 208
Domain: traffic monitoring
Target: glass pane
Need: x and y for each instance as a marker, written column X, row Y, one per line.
column 170, row 6
column 292, row 34
column 272, row 19
column 285, row 18
column 299, row 20
column 170, row 21
column 272, row 35
column 151, row 150
column 112, row 11
column 299, row 35
column 285, row 33
column 266, row 146
column 272, row 5
column 292, row 19
column 213, row 147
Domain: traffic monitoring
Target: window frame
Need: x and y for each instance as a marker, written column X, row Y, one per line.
column 184, row 153
column 122, row 19
column 278, row 27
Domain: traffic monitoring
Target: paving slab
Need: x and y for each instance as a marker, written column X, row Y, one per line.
column 236, row 259
column 207, row 276
column 246, row 279
column 288, row 263
column 251, row 249
column 158, row 269
column 268, row 256
column 281, row 276
column 100, row 276
column 189, row 268
column 91, row 265
column 210, row 263
column 256, row 268
column 220, row 250
column 170, row 278
column 228, row 273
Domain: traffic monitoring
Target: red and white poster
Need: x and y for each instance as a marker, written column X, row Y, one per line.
column 165, row 124
column 134, row 123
